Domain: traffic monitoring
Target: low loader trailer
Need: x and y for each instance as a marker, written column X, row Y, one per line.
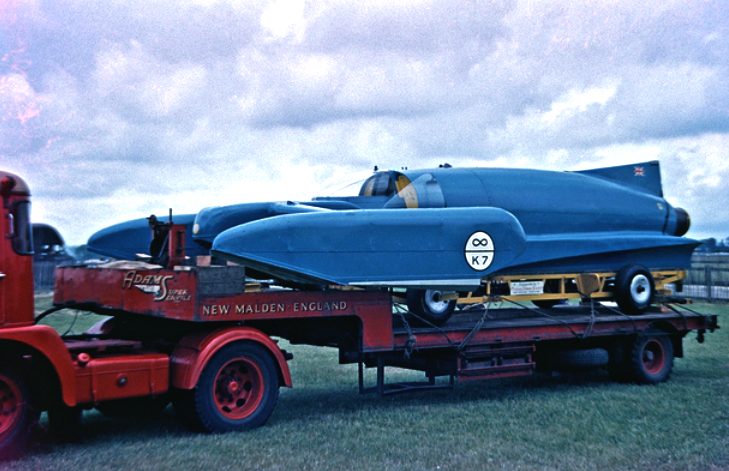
column 203, row 339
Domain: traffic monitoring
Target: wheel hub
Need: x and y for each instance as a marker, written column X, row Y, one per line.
column 435, row 302
column 10, row 401
column 233, row 387
column 653, row 357
column 640, row 289
column 238, row 388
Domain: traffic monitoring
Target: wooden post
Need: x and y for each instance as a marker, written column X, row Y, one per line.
column 707, row 282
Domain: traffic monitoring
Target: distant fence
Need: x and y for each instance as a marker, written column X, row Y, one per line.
column 43, row 275
column 708, row 277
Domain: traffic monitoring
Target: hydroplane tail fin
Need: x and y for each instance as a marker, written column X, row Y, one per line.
column 645, row 177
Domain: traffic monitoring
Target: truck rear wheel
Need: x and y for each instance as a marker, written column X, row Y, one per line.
column 651, row 358
column 634, row 289
column 237, row 390
column 428, row 304
column 17, row 414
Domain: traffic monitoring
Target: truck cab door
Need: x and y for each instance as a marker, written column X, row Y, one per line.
column 4, row 246
column 16, row 263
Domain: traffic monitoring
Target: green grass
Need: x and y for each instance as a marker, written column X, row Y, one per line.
column 563, row 422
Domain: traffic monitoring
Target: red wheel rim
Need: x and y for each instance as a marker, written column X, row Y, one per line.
column 10, row 404
column 654, row 356
column 238, row 388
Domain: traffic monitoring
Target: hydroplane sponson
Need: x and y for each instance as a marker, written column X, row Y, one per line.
column 449, row 229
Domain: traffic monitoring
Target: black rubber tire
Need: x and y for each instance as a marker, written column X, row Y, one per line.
column 135, row 407
column 18, row 416
column 619, row 365
column 651, row 359
column 183, row 402
column 64, row 423
column 550, row 287
column 252, row 369
column 423, row 303
column 634, row 289
column 546, row 303
column 584, row 358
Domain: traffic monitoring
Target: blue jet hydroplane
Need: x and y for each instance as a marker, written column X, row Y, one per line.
column 448, row 229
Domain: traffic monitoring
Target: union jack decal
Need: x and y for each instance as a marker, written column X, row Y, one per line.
column 639, row 171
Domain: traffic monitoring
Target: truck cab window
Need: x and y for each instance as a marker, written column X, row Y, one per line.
column 22, row 230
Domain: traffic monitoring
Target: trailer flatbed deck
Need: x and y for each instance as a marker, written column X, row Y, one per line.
column 374, row 329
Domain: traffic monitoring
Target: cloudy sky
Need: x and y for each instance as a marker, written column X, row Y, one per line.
column 116, row 109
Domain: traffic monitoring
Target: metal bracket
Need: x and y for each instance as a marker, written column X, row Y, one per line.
column 385, row 389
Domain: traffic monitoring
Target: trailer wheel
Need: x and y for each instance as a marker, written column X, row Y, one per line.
column 428, row 304
column 17, row 414
column 634, row 289
column 237, row 390
column 651, row 358
column 546, row 303
column 550, row 287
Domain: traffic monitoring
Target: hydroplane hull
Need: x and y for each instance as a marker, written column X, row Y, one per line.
column 449, row 248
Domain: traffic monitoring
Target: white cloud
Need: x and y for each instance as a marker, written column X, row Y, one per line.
column 116, row 109
column 133, row 77
column 18, row 101
column 577, row 101
column 284, row 18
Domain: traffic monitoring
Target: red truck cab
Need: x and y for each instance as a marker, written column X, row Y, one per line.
column 16, row 253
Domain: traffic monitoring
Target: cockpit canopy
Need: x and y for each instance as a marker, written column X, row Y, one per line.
column 423, row 192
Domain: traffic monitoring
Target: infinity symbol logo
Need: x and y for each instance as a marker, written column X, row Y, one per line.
column 479, row 251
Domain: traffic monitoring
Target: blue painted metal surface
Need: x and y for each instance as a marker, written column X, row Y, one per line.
column 447, row 227
column 536, row 222
column 383, row 247
column 210, row 222
column 129, row 238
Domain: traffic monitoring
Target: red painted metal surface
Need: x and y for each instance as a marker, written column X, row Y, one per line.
column 16, row 270
column 653, row 357
column 174, row 294
column 176, row 244
column 238, row 388
column 48, row 343
column 156, row 292
column 193, row 353
column 122, row 376
column 538, row 329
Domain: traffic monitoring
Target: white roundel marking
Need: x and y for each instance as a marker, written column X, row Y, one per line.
column 479, row 251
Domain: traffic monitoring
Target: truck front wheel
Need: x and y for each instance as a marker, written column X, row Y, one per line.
column 17, row 414
column 237, row 390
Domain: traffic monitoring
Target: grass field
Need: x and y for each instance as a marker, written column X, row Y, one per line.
column 563, row 422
